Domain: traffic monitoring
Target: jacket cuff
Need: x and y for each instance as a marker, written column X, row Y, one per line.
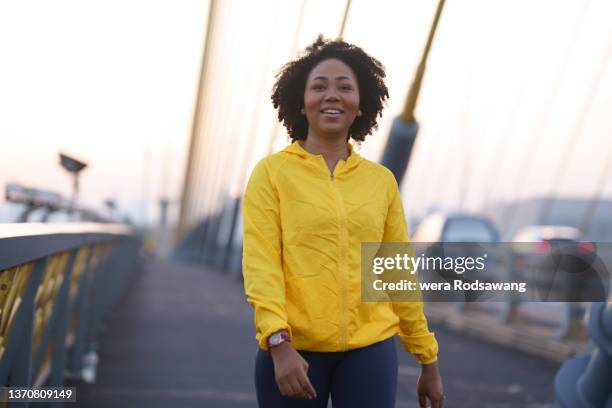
column 262, row 337
column 424, row 346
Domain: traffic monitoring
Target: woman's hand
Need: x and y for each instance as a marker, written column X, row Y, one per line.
column 290, row 371
column 430, row 386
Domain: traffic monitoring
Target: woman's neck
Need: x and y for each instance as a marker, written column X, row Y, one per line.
column 332, row 149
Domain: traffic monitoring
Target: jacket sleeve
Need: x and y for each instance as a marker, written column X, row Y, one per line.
column 264, row 282
column 414, row 333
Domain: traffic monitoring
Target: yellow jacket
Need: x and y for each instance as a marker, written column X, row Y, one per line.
column 303, row 230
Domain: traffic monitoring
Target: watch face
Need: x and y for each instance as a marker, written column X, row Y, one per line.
column 278, row 338
column 275, row 339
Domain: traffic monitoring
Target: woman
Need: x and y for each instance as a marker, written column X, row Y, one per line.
column 306, row 211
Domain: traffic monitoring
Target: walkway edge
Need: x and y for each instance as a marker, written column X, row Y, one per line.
column 515, row 337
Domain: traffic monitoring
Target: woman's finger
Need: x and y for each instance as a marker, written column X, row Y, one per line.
column 284, row 389
column 298, row 390
column 422, row 401
column 436, row 401
column 289, row 388
column 307, row 387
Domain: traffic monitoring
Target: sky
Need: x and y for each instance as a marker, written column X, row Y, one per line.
column 516, row 94
column 113, row 83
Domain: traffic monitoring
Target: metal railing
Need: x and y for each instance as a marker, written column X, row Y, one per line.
column 58, row 283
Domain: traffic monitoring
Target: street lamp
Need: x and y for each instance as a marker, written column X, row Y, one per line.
column 74, row 167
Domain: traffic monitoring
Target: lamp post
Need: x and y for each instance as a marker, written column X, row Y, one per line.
column 74, row 167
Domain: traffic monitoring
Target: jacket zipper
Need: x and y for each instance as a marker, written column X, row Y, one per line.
column 342, row 262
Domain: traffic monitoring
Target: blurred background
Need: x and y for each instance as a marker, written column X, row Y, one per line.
column 513, row 106
column 153, row 113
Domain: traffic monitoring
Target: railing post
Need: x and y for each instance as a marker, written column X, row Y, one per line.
column 80, row 310
column 100, row 282
column 60, row 310
column 572, row 326
column 510, row 313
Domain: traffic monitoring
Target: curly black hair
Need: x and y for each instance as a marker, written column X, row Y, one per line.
column 288, row 91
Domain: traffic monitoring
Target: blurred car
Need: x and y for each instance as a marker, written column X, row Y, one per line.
column 541, row 244
column 558, row 261
column 456, row 227
column 459, row 235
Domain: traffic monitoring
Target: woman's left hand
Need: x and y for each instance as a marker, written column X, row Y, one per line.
column 430, row 387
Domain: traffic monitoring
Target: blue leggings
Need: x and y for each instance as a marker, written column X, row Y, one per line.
column 359, row 378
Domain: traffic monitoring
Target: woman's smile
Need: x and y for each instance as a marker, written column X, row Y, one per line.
column 331, row 114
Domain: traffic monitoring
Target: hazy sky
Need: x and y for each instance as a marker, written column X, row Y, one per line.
column 510, row 85
column 112, row 82
column 514, row 103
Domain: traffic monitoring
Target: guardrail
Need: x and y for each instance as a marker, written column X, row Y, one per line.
column 58, row 283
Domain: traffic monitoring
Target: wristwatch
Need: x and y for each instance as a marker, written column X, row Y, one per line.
column 278, row 338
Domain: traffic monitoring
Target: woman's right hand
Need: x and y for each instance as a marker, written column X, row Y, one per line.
column 290, row 371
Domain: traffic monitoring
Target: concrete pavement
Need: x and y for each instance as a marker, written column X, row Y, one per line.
column 183, row 336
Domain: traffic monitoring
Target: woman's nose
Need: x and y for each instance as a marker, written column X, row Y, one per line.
column 331, row 95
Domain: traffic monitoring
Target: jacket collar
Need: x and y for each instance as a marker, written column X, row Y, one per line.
column 295, row 148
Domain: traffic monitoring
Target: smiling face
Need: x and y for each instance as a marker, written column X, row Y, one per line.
column 331, row 99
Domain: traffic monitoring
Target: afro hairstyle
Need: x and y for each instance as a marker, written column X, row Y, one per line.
column 288, row 90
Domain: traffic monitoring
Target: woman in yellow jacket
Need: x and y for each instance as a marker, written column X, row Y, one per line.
column 306, row 210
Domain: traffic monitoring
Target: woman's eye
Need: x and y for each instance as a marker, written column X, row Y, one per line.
column 317, row 87
column 346, row 88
